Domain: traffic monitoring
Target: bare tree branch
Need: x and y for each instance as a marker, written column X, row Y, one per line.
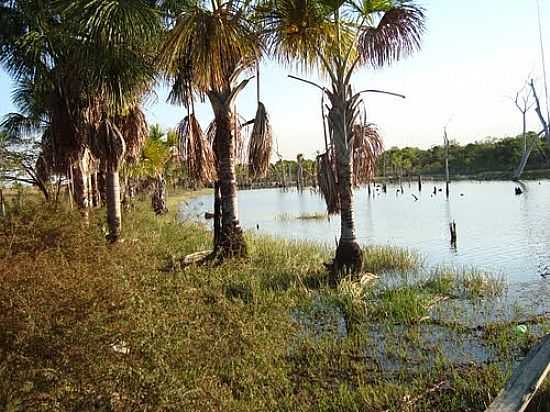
column 538, row 110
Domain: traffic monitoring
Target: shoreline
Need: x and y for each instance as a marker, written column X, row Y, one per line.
column 85, row 323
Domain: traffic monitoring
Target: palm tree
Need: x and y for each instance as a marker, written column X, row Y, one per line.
column 205, row 53
column 117, row 39
column 38, row 49
column 151, row 168
column 337, row 38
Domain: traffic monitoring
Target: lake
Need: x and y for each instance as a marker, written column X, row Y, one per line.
column 497, row 230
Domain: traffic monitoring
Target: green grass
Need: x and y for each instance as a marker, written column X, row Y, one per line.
column 253, row 334
column 388, row 258
column 288, row 217
column 464, row 283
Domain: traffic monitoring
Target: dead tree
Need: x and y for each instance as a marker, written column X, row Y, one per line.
column 299, row 172
column 447, row 177
column 525, row 100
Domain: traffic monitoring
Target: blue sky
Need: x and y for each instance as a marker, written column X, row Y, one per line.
column 476, row 54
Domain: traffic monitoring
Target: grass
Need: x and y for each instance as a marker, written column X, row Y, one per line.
column 89, row 326
column 287, row 217
column 388, row 258
column 464, row 283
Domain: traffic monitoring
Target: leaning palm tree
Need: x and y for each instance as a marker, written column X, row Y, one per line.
column 337, row 38
column 205, row 53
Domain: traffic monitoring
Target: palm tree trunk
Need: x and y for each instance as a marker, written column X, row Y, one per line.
column 114, row 214
column 159, row 196
column 217, row 213
column 95, row 195
column 349, row 257
column 230, row 242
column 80, row 188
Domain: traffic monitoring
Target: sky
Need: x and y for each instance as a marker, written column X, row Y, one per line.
column 476, row 54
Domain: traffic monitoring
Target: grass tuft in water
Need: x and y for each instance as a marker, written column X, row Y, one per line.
column 288, row 217
column 388, row 258
column 464, row 283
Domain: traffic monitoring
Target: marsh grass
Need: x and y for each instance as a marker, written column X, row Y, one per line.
column 464, row 283
column 225, row 337
column 388, row 258
column 401, row 306
column 288, row 217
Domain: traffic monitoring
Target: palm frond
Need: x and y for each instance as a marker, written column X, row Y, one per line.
column 297, row 32
column 17, row 125
column 397, row 34
column 134, row 130
column 261, row 142
column 216, row 42
column 367, row 148
column 328, row 185
column 108, row 144
column 196, row 150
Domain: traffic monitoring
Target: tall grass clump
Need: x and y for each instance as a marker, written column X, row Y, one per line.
column 464, row 283
column 388, row 258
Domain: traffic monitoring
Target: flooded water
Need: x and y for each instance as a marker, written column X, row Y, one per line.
column 498, row 231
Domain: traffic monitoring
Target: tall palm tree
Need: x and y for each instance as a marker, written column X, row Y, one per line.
column 117, row 39
column 205, row 52
column 39, row 50
column 337, row 37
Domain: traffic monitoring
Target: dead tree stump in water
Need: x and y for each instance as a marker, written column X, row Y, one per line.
column 419, row 183
column 452, row 228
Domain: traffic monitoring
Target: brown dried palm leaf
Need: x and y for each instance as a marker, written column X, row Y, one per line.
column 108, row 144
column 243, row 131
column 134, row 129
column 261, row 143
column 327, row 182
column 196, row 150
column 367, row 148
column 211, row 132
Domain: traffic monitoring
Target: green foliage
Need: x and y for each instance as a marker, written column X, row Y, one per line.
column 483, row 156
column 387, row 258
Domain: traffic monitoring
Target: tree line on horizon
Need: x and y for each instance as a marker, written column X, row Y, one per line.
column 488, row 155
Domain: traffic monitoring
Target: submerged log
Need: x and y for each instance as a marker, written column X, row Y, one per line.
column 525, row 380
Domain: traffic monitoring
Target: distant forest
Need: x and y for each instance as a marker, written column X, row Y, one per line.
column 488, row 155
